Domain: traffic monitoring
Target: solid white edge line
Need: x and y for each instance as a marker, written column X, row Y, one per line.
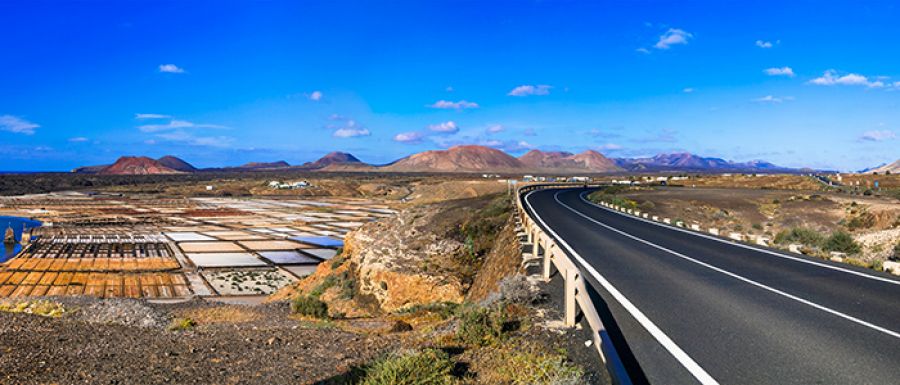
column 749, row 247
column 736, row 276
column 686, row 361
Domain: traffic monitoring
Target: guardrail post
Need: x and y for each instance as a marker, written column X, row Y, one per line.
column 571, row 292
column 548, row 253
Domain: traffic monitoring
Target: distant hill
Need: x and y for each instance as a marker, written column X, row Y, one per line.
column 333, row 158
column 544, row 159
column 588, row 161
column 176, row 164
column 689, row 162
column 263, row 165
column 90, row 169
column 137, row 165
column 457, row 159
column 893, row 168
column 468, row 158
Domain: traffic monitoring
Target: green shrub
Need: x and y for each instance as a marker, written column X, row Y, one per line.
column 647, row 206
column 842, row 242
column 181, row 324
column 426, row 367
column 338, row 259
column 443, row 309
column 804, row 236
column 326, row 284
column 481, row 326
column 309, row 306
column 521, row 368
column 863, row 221
column 40, row 307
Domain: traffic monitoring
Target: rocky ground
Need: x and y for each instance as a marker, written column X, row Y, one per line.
column 873, row 221
column 131, row 342
column 439, row 277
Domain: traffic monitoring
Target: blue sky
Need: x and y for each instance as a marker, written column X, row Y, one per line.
column 798, row 83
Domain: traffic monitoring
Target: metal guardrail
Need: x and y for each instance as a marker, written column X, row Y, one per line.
column 576, row 294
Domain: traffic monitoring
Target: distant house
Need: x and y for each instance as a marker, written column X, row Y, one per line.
column 288, row 185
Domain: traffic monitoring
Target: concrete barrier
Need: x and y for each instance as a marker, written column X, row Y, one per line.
column 695, row 227
column 714, row 231
column 762, row 241
column 656, row 218
column 736, row 236
column 667, row 221
column 646, row 215
column 794, row 248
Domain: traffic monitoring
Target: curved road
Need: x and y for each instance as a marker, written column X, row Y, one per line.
column 696, row 309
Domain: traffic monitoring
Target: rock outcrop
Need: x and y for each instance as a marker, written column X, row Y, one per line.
column 401, row 265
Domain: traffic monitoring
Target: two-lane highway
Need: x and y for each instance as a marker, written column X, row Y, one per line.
column 697, row 309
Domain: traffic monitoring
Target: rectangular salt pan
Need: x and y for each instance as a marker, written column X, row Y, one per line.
column 188, row 236
column 320, row 241
column 225, row 259
column 325, row 254
column 288, row 257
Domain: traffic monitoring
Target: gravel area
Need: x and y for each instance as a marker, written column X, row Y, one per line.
column 114, row 345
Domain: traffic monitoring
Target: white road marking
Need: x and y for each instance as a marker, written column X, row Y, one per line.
column 689, row 364
column 749, row 247
column 736, row 276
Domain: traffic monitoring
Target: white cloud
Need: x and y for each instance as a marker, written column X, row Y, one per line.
column 449, row 105
column 609, row 147
column 673, row 36
column 448, row 127
column 772, row 99
column 176, row 124
column 526, row 90
column 17, row 125
column 688, row 90
column 151, row 116
column 170, row 68
column 878, row 135
column 643, row 50
column 351, row 129
column 409, row 137
column 763, row 44
column 78, row 139
column 184, row 137
column 494, row 128
column 315, row 96
column 783, row 71
column 831, row 78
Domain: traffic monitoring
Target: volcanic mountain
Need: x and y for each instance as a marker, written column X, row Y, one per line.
column 333, row 158
column 893, row 168
column 263, row 165
column 589, row 161
column 458, row 159
column 689, row 162
column 137, row 165
column 176, row 163
column 544, row 159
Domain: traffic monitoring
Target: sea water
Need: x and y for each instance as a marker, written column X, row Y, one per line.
column 17, row 225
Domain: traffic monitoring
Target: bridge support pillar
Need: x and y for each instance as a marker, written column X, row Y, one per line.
column 571, row 292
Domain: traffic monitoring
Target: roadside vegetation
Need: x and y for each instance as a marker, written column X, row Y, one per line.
column 609, row 194
column 37, row 307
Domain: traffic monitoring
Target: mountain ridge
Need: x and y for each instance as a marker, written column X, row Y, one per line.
column 471, row 159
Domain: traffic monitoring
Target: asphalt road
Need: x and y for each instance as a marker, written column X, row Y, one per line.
column 693, row 309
